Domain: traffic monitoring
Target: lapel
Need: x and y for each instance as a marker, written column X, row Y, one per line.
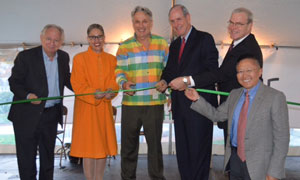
column 60, row 71
column 177, row 44
column 41, row 65
column 232, row 105
column 229, row 51
column 237, row 49
column 187, row 49
column 173, row 55
column 256, row 106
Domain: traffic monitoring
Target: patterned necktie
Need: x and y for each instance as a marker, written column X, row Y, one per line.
column 181, row 49
column 242, row 129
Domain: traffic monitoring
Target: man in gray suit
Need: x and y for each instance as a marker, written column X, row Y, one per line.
column 261, row 153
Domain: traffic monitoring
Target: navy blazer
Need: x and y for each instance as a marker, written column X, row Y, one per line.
column 225, row 76
column 199, row 55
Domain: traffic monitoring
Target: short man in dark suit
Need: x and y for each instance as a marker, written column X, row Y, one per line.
column 243, row 42
column 258, row 124
column 193, row 52
column 42, row 71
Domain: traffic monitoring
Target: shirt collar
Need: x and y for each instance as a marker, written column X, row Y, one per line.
column 235, row 43
column 253, row 90
column 188, row 34
column 46, row 57
column 135, row 38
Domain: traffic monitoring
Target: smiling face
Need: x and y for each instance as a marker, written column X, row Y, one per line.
column 180, row 24
column 238, row 26
column 248, row 73
column 51, row 41
column 96, row 40
column 142, row 25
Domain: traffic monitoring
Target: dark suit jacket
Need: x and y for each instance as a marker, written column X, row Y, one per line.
column 225, row 76
column 29, row 76
column 199, row 55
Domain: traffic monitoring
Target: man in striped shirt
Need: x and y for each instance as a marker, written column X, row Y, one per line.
column 140, row 61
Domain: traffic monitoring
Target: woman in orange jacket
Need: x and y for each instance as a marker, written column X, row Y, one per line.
column 94, row 136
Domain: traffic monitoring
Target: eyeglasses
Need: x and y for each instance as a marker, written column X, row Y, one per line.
column 55, row 41
column 247, row 71
column 99, row 37
column 237, row 24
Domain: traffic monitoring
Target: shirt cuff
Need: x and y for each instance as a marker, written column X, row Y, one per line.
column 192, row 82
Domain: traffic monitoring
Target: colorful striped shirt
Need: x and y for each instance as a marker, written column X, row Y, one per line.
column 143, row 67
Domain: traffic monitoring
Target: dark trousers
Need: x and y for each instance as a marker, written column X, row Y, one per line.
column 238, row 169
column 133, row 118
column 193, row 134
column 41, row 139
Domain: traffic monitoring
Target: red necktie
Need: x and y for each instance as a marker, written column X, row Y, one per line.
column 181, row 49
column 242, row 129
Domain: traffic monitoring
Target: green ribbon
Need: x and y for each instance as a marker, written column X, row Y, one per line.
column 226, row 94
column 213, row 92
column 117, row 91
column 73, row 95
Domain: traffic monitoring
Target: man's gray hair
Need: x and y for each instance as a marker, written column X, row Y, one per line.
column 141, row 9
column 182, row 7
column 246, row 11
column 61, row 30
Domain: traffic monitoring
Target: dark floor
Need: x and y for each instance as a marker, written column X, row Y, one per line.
column 9, row 171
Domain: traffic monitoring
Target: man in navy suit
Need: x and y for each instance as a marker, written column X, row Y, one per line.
column 192, row 53
column 39, row 72
column 243, row 42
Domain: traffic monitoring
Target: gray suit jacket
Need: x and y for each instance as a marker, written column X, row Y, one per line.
column 267, row 134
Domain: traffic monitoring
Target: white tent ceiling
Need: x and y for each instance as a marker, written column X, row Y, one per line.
column 276, row 21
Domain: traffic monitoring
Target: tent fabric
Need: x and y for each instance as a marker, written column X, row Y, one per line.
column 275, row 21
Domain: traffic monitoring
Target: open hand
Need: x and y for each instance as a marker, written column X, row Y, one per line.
column 192, row 94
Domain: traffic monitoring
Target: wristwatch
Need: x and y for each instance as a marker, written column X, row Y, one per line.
column 185, row 80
